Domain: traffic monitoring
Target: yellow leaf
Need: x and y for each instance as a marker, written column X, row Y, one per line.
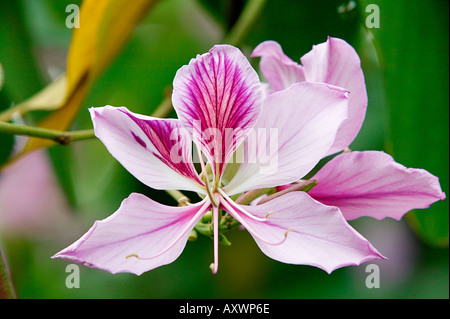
column 116, row 25
column 50, row 98
column 84, row 43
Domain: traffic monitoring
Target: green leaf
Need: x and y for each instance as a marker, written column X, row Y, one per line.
column 22, row 77
column 19, row 75
column 413, row 51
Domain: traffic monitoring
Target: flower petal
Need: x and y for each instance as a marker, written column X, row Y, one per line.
column 296, row 128
column 141, row 235
column 217, row 98
column 336, row 62
column 278, row 69
column 156, row 151
column 372, row 184
column 300, row 230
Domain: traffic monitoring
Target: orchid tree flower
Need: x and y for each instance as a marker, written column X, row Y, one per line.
column 368, row 183
column 224, row 118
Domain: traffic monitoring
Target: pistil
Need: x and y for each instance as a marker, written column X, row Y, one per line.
column 213, row 200
column 215, row 265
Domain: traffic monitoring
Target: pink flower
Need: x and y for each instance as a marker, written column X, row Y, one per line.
column 31, row 202
column 366, row 183
column 221, row 109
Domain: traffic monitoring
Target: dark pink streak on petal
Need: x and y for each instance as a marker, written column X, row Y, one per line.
column 166, row 137
column 139, row 140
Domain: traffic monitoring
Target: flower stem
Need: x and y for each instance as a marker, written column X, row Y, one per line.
column 59, row 137
column 63, row 137
column 246, row 20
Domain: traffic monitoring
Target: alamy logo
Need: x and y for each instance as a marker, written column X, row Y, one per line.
column 73, row 279
column 373, row 277
column 73, row 19
column 373, row 19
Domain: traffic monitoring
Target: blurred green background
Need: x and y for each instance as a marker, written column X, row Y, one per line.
column 405, row 62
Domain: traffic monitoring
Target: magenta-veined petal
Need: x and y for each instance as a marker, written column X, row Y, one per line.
column 278, row 69
column 336, row 62
column 217, row 98
column 300, row 230
column 372, row 184
column 296, row 128
column 156, row 151
column 141, row 235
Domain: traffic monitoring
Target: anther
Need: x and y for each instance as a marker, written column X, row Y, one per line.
column 268, row 214
column 287, row 231
column 132, row 255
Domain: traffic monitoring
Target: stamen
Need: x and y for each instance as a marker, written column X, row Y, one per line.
column 298, row 186
column 239, row 219
column 243, row 210
column 201, row 211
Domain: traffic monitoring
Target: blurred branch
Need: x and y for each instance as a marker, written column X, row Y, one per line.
column 246, row 20
column 6, row 287
column 164, row 108
column 63, row 137
column 59, row 137
column 2, row 76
